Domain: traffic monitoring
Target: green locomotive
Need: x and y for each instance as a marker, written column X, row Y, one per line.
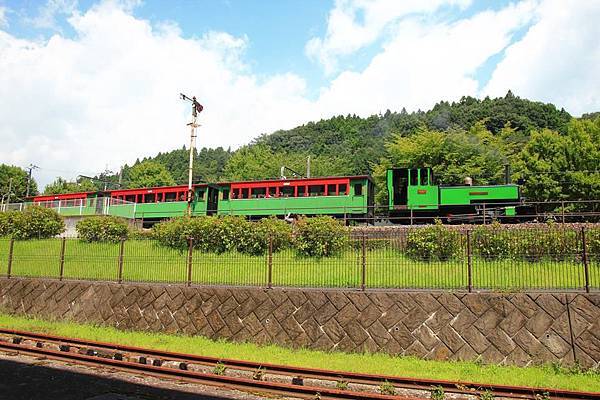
column 412, row 193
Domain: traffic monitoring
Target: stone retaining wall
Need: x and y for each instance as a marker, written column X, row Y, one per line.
column 516, row 329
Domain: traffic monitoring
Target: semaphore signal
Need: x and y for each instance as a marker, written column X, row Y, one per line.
column 196, row 109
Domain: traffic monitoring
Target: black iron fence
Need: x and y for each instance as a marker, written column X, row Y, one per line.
column 553, row 257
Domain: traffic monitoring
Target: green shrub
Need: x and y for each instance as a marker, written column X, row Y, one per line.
column 6, row 221
column 320, row 236
column 433, row 243
column 176, row 232
column 32, row 223
column 492, row 242
column 102, row 229
column 254, row 239
column 223, row 234
column 548, row 243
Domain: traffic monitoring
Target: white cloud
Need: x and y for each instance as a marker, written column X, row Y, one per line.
column 353, row 24
column 3, row 18
column 110, row 94
column 48, row 13
column 426, row 62
column 558, row 60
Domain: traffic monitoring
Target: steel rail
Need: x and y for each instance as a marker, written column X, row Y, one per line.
column 464, row 387
column 230, row 382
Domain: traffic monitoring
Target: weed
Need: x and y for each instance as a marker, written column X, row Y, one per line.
column 387, row 388
column 341, row 385
column 437, row 393
column 486, row 395
column 219, row 369
column 542, row 396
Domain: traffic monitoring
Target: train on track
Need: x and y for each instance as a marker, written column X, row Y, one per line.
column 412, row 194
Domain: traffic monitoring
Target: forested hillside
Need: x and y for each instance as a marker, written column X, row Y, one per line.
column 554, row 155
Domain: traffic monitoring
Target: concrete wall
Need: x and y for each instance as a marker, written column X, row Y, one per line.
column 516, row 329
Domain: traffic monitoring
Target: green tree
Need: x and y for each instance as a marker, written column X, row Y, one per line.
column 14, row 178
column 149, row 174
column 562, row 167
column 261, row 162
column 61, row 186
column 452, row 155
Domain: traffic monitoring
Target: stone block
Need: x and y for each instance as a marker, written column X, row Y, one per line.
column 312, row 329
column 439, row 319
column 426, row 336
column 379, row 334
column 451, row 338
column 333, row 330
column 463, row 321
column 501, row 341
column 305, row 311
column 488, row 321
column 451, row 303
column 402, row 335
column 324, row 313
column 539, row 323
column 513, row 322
column 284, row 310
column 525, row 304
column 392, row 316
column 338, row 299
column 584, row 307
column 369, row 315
column 550, row 304
column 476, row 303
column 356, row 332
column 415, row 318
column 347, row 314
column 476, row 339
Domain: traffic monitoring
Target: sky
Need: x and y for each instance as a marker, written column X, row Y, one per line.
column 91, row 85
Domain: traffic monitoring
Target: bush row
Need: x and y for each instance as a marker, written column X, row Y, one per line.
column 31, row 223
column 494, row 242
column 316, row 237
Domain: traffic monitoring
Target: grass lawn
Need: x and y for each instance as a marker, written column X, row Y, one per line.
column 144, row 260
column 541, row 376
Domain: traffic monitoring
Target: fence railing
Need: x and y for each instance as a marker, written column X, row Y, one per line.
column 557, row 258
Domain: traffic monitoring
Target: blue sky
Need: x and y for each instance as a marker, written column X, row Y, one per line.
column 86, row 85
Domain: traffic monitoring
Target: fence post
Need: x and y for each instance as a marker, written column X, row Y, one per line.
column 121, row 253
column 62, row 258
column 363, row 273
column 586, row 267
column 270, row 263
column 469, row 262
column 10, row 257
column 562, row 210
column 190, row 260
column 484, row 213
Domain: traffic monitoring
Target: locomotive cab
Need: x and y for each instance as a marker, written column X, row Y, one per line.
column 412, row 188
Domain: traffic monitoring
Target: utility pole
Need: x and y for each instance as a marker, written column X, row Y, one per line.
column 196, row 109
column 30, row 168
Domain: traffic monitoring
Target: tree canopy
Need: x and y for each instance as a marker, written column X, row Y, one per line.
column 13, row 184
column 61, row 186
column 149, row 174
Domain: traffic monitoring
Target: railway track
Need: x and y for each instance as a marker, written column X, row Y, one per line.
column 259, row 377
